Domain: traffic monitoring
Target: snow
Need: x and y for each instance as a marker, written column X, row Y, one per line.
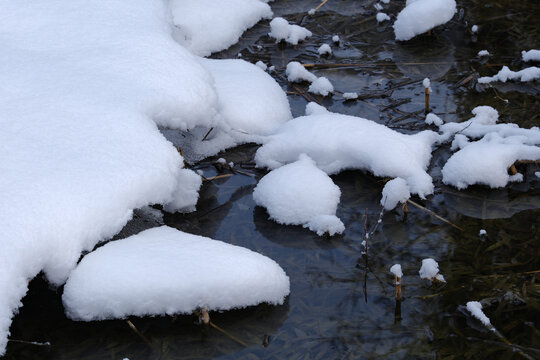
column 475, row 308
column 338, row 142
column 311, row 12
column 505, row 74
column 313, row 108
column 430, row 270
column 186, row 194
column 261, row 65
column 163, row 271
column 297, row 73
column 280, row 29
column 301, row 194
column 385, row 1
column 531, row 55
column 207, row 26
column 474, row 29
column 487, row 161
column 396, row 270
column 483, row 53
column 321, row 86
column 537, row 174
column 378, row 7
column 482, row 232
column 382, row 17
column 324, row 49
column 431, row 118
column 395, row 191
column 427, row 84
column 350, row 95
column 335, row 38
column 421, row 16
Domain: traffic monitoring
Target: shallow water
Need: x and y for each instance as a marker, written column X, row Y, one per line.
column 342, row 302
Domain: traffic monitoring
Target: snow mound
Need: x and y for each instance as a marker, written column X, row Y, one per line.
column 505, row 74
column 487, row 161
column 207, row 26
column 396, row 270
column 475, row 308
column 483, row 53
column 324, row 49
column 338, row 142
column 350, row 95
column 382, row 17
column 431, row 118
column 321, row 86
column 395, row 191
column 280, row 29
column 296, row 72
column 430, row 270
column 163, row 271
column 531, row 55
column 301, row 194
column 187, row 192
column 421, row 16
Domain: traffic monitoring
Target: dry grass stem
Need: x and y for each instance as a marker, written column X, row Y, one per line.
column 427, row 100
column 218, row 177
column 398, row 287
column 433, row 214
column 320, row 5
column 136, row 331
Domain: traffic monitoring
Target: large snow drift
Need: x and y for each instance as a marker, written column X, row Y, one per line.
column 165, row 271
column 84, row 86
column 207, row 26
column 338, row 142
column 420, row 16
column 301, row 194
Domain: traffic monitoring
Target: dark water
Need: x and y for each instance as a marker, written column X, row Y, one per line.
column 342, row 302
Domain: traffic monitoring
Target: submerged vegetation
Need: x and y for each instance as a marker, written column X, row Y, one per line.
column 344, row 302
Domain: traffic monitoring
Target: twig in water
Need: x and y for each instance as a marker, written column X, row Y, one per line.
column 136, row 331
column 218, row 177
column 204, row 318
column 433, row 214
column 320, row 5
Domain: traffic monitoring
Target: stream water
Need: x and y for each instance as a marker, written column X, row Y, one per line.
column 342, row 303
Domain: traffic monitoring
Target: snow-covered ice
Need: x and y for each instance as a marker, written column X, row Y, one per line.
column 475, row 308
column 297, row 73
column 207, row 26
column 394, row 192
column 420, row 16
column 301, row 194
column 430, row 270
column 281, row 30
column 396, row 270
column 531, row 55
column 164, row 271
column 382, row 17
column 321, row 86
column 324, row 49
column 338, row 142
column 505, row 74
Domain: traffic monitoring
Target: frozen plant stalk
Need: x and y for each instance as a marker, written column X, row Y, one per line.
column 398, row 274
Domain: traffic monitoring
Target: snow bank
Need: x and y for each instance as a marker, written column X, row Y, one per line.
column 422, row 15
column 207, row 26
column 395, row 191
column 505, row 74
column 301, row 194
column 280, row 29
column 338, row 142
column 531, row 55
column 487, row 161
column 430, row 270
column 475, row 308
column 163, row 271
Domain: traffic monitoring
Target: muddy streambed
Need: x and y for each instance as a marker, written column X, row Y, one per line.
column 342, row 302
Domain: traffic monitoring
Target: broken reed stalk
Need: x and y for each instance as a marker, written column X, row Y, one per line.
column 433, row 214
column 507, row 342
column 397, row 280
column 30, row 342
column 218, row 177
column 320, row 5
column 204, row 317
column 136, row 331
column 208, row 133
column 426, row 90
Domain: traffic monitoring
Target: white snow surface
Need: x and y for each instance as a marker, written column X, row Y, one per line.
column 475, row 308
column 296, row 72
column 261, row 65
column 505, row 74
column 396, row 270
column 186, row 194
column 487, row 161
column 430, row 270
column 301, row 194
column 207, row 26
column 531, row 55
column 350, row 95
column 164, row 271
column 420, row 16
column 483, row 53
column 324, row 49
column 431, row 118
column 382, row 17
column 321, row 86
column 281, row 30
column 394, row 192
column 338, row 142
